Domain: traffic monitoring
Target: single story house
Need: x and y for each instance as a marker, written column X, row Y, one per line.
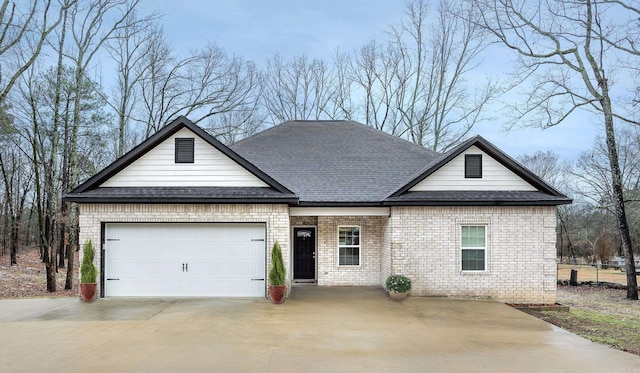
column 184, row 215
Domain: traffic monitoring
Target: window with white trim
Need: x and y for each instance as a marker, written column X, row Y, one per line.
column 349, row 246
column 474, row 247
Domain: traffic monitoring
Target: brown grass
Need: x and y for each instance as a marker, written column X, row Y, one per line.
column 589, row 273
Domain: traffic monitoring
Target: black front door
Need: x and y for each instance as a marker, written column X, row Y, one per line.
column 304, row 253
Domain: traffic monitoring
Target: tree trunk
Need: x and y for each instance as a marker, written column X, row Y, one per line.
column 62, row 247
column 71, row 253
column 50, row 266
column 573, row 281
column 618, row 194
column 14, row 239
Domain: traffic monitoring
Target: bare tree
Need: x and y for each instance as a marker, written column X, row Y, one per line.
column 435, row 104
column 235, row 125
column 565, row 49
column 17, row 183
column 299, row 89
column 594, row 177
column 373, row 72
column 414, row 85
column 547, row 165
column 128, row 49
column 207, row 83
column 23, row 33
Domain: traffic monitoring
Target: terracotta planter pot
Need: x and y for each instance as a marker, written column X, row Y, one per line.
column 88, row 291
column 276, row 293
column 399, row 297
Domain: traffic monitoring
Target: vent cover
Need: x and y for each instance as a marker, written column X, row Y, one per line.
column 473, row 166
column 184, row 150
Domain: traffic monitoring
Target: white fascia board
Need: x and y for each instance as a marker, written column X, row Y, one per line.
column 339, row 211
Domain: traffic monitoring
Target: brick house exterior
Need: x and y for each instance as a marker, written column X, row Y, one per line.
column 348, row 204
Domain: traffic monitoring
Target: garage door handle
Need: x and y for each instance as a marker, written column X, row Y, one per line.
column 257, row 279
column 113, row 279
column 257, row 239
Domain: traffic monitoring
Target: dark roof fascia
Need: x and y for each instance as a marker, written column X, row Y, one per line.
column 339, row 204
column 163, row 134
column 494, row 152
column 479, row 203
column 178, row 200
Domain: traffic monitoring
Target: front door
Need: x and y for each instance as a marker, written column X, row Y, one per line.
column 304, row 253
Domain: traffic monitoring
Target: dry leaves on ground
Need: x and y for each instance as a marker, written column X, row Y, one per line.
column 28, row 278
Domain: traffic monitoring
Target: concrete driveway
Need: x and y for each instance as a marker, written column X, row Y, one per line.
column 317, row 330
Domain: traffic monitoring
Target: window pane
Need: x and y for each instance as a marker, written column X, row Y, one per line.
column 349, row 236
column 349, row 256
column 473, row 260
column 473, row 236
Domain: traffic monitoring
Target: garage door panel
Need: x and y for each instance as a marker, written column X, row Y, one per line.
column 157, row 259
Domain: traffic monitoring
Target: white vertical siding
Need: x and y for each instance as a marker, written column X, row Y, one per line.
column 495, row 176
column 158, row 168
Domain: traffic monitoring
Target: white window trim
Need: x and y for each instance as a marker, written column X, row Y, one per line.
column 486, row 244
column 359, row 246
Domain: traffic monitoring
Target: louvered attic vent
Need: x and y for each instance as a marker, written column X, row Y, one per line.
column 184, row 150
column 473, row 166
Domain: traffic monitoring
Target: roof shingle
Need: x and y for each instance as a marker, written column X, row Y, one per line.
column 327, row 162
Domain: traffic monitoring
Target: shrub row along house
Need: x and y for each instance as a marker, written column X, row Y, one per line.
column 184, row 215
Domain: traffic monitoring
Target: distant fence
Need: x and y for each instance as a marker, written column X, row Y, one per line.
column 592, row 273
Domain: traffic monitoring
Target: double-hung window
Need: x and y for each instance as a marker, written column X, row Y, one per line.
column 349, row 246
column 474, row 248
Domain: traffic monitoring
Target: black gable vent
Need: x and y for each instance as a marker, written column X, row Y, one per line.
column 184, row 150
column 473, row 166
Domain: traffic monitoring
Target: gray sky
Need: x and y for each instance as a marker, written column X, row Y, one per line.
column 257, row 29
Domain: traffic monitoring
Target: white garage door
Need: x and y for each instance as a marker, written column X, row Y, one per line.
column 156, row 259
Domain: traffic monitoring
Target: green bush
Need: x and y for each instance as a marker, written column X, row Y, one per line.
column 88, row 271
column 277, row 271
column 398, row 283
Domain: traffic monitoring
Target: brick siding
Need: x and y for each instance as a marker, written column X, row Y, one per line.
column 521, row 266
column 330, row 273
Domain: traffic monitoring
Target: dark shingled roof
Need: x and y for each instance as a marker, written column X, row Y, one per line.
column 335, row 162
column 182, row 195
column 477, row 198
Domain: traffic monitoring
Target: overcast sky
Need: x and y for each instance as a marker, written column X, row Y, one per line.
column 257, row 29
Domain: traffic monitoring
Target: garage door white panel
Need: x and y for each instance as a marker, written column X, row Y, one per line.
column 185, row 259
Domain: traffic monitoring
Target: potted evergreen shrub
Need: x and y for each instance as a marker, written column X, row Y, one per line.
column 88, row 273
column 277, row 275
column 398, row 287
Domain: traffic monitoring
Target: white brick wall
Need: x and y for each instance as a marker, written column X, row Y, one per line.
column 276, row 218
column 425, row 245
column 420, row 242
column 371, row 240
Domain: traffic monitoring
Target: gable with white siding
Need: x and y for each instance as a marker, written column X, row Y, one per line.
column 495, row 176
column 210, row 168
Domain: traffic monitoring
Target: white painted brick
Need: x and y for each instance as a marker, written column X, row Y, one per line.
column 425, row 245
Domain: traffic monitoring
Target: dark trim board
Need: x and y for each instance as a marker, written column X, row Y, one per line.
column 102, row 252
